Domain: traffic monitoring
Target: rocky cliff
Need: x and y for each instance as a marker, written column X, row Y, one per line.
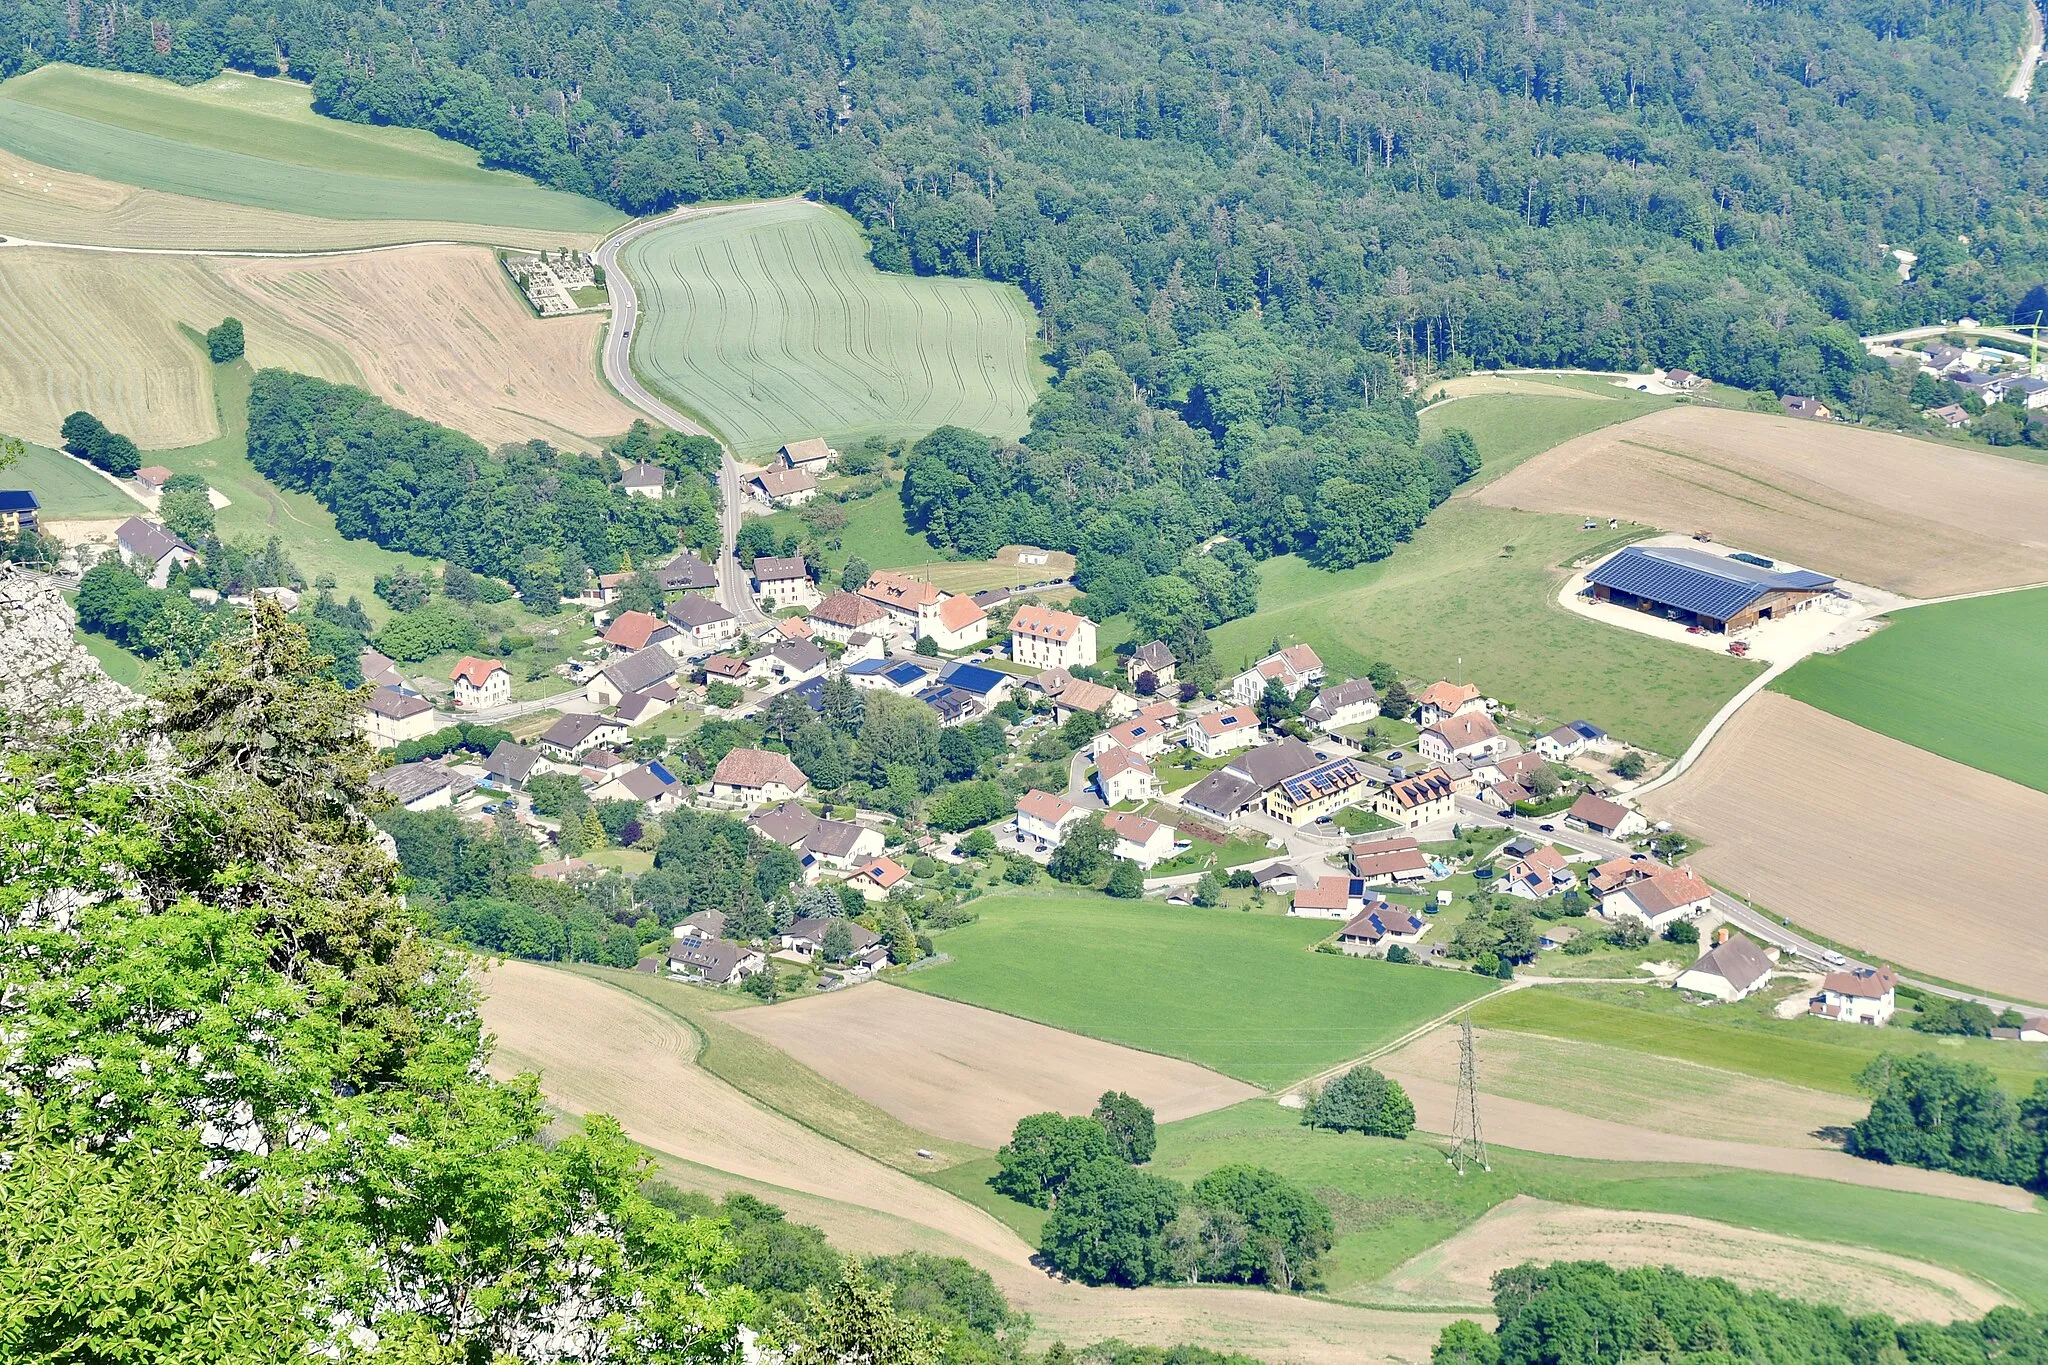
column 43, row 668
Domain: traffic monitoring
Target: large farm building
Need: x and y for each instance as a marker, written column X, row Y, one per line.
column 1699, row 587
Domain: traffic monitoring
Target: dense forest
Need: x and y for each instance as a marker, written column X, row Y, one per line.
column 1435, row 181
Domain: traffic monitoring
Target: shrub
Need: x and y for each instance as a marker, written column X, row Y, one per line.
column 224, row 342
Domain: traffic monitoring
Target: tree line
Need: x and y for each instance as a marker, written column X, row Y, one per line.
column 1949, row 1115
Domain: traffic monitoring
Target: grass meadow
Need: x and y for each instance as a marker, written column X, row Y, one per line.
column 770, row 324
column 1942, row 678
column 1243, row 994
column 66, row 487
column 1512, row 427
column 242, row 140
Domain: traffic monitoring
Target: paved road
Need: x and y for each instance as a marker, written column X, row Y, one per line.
column 2022, row 87
column 733, row 592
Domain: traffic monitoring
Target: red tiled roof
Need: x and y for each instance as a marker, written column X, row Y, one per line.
column 475, row 672
column 756, row 768
column 1044, row 806
column 631, row 630
column 1043, row 623
column 956, row 613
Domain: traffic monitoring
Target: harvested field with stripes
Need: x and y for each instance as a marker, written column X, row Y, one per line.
column 770, row 324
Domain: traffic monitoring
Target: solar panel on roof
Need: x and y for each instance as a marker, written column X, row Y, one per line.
column 1691, row 580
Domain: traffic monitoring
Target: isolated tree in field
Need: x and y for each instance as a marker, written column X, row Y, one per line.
column 1630, row 765
column 224, row 342
column 1361, row 1101
column 1130, row 1125
column 1943, row 1115
column 1043, row 1153
column 1110, row 1223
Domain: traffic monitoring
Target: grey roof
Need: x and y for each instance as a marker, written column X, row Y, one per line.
column 1271, row 764
column 1272, row 872
column 801, row 655
column 1224, row 792
column 835, row 838
column 786, row 823
column 1339, row 695
column 643, row 475
column 1698, row 581
column 645, row 782
column 775, row 568
column 1153, row 656
column 713, row 959
column 390, row 702
column 408, row 782
column 813, row 927
column 147, row 540
column 572, row 730
column 1738, row 962
column 709, row 922
column 950, row 702
column 638, row 672
column 686, row 571
column 633, row 705
column 990, row 597
column 513, row 762
column 697, row 611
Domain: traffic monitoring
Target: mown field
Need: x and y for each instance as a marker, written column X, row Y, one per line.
column 769, row 324
column 1242, row 994
column 241, row 140
column 1943, row 678
column 65, row 487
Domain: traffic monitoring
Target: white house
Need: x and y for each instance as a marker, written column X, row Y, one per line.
column 577, row 734
column 782, row 487
column 1469, row 737
column 1379, row 928
column 1441, row 700
column 756, row 777
column 1043, row 638
column 1659, row 895
column 1139, row 840
column 913, row 606
column 790, row 664
column 644, row 480
column 480, row 684
column 146, row 545
column 1729, row 971
column 1862, row 996
column 705, row 626
column 392, row 717
column 1412, row 802
column 1045, row 817
column 632, row 631
column 425, row 785
column 1327, row 897
column 1342, row 704
column 1121, row 775
column 1294, row 668
column 960, row 624
column 811, row 455
column 1222, row 732
column 843, row 615
column 1569, row 741
column 1154, row 658
column 714, row 961
column 634, row 673
column 1602, row 816
column 1142, row 735
column 651, row 784
column 1377, row 862
column 1543, row 873
column 783, row 581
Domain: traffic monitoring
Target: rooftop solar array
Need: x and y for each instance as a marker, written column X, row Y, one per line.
column 1698, row 581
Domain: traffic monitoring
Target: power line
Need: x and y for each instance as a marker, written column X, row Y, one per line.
column 1468, row 1144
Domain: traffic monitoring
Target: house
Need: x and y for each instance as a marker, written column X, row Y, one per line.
column 1143, row 737
column 782, row 487
column 1121, row 775
column 1379, row 928
column 152, row 477
column 565, row 870
column 1294, row 668
column 1244, row 782
column 1139, row 840
column 1329, row 897
column 687, row 572
column 1602, row 816
column 877, row 878
column 1616, row 873
column 632, row 631
column 1342, row 704
column 651, row 784
column 755, row 777
column 576, row 735
column 147, row 546
column 1860, row 996
column 811, row 455
column 1810, row 408
column 986, row 685
column 621, row 678
column 2030, row 393
column 1470, row 737
column 1154, row 658
column 861, row 646
column 1685, row 381
column 790, row 663
column 1045, row 817
column 1716, row 592
column 1540, row 874
column 1506, row 768
column 1989, row 387
column 1079, row 694
column 1275, row 877
column 726, row 669
column 1043, row 638
column 426, row 785
column 1412, row 802
column 901, row 676
column 783, row 581
column 599, row 764
column 838, row 844
column 509, row 764
column 1399, row 860
column 704, row 626
column 393, row 717
column 1943, row 360
column 806, row 937
column 841, row 616
column 961, row 624
column 1659, row 896
column 1442, row 700
column 1569, row 741
column 714, row 961
column 912, row 606
column 954, row 707
column 1222, row 732
column 701, row 926
column 1306, row 797
column 1951, row 415
column 1729, row 971
column 18, row 509
column 643, row 480
column 481, row 684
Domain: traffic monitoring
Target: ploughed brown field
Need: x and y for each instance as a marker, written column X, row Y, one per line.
column 1875, row 843
column 968, row 1073
column 1850, row 1278
column 1918, row 518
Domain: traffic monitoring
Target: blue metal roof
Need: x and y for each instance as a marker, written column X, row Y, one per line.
column 17, row 500
column 1698, row 581
column 903, row 673
column 867, row 666
column 813, row 693
column 973, row 678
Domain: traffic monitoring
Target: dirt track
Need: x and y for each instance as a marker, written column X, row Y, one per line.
column 1871, row 842
column 1912, row 516
column 602, row 1050
column 968, row 1073
column 1849, row 1278
column 437, row 331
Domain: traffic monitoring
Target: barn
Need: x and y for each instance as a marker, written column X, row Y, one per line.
column 1699, row 587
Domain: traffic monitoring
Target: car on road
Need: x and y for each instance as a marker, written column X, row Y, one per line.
column 1548, row 829
column 1834, row 959
column 1394, row 754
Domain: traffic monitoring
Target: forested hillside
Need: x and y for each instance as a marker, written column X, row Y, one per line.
column 1580, row 182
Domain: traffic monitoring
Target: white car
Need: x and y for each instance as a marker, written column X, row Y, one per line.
column 1834, row 959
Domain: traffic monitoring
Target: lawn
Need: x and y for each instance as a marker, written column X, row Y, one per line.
column 770, row 324
column 1742, row 1037
column 1392, row 1200
column 241, row 140
column 1477, row 590
column 1240, row 993
column 1510, row 428
column 1941, row 678
column 65, row 487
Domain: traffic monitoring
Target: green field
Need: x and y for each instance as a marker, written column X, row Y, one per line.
column 65, row 487
column 770, row 324
column 1943, row 678
column 241, row 140
column 1392, row 1200
column 1511, row 427
column 1237, row 992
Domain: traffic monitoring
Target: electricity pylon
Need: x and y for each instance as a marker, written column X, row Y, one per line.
column 1468, row 1144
